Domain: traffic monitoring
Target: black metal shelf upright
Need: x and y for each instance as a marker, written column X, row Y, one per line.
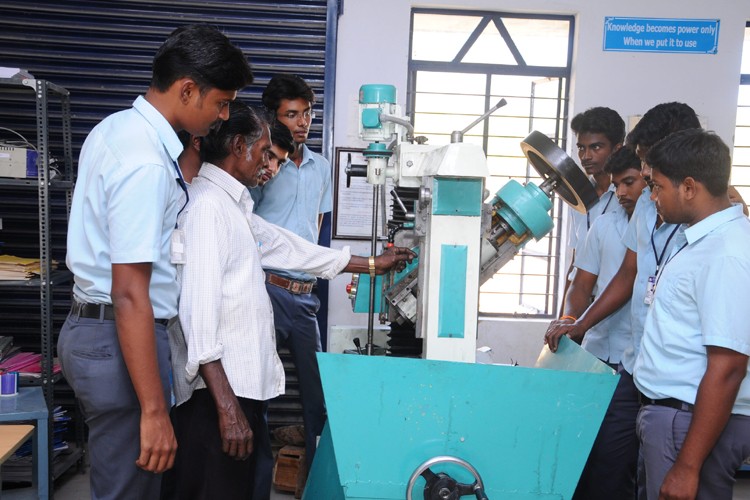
column 17, row 91
column 43, row 89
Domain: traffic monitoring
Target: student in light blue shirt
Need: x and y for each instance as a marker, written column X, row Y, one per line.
column 296, row 199
column 599, row 133
column 692, row 368
column 647, row 240
column 601, row 258
column 606, row 470
column 113, row 346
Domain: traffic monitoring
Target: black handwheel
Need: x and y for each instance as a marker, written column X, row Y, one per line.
column 443, row 487
column 552, row 163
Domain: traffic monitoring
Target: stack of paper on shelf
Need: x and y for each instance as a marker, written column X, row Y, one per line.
column 18, row 268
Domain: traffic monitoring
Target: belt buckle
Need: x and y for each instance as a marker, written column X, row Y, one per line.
column 295, row 286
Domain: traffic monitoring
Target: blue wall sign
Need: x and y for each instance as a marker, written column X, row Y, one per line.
column 639, row 34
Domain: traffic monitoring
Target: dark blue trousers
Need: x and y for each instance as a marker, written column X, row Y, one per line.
column 610, row 471
column 297, row 328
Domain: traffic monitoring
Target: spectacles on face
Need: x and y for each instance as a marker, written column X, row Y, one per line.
column 296, row 115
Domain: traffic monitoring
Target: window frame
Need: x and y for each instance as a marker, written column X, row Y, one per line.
column 744, row 188
column 555, row 258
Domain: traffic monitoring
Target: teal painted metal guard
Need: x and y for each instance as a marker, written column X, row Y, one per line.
column 528, row 431
column 376, row 149
column 525, row 208
column 328, row 485
column 362, row 297
column 376, row 93
column 452, row 306
column 371, row 118
column 457, row 196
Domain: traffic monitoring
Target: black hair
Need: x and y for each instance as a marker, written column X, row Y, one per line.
column 286, row 86
column 202, row 53
column 660, row 121
column 184, row 137
column 600, row 120
column 282, row 137
column 622, row 160
column 694, row 153
column 243, row 120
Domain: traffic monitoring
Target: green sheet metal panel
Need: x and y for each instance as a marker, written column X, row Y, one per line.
column 452, row 303
column 328, row 485
column 528, row 431
column 457, row 196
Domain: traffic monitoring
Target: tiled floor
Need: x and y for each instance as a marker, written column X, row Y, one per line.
column 75, row 486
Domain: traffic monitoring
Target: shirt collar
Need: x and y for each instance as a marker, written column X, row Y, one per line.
column 306, row 156
column 164, row 130
column 222, row 179
column 702, row 228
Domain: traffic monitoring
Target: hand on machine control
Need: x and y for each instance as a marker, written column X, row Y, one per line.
column 393, row 258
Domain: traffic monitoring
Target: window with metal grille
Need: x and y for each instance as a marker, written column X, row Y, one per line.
column 741, row 153
column 461, row 64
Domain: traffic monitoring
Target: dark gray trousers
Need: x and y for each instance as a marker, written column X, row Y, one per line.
column 662, row 432
column 92, row 363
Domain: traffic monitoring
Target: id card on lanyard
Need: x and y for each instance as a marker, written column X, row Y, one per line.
column 177, row 241
column 653, row 279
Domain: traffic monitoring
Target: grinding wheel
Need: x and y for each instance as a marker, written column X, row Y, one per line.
column 571, row 183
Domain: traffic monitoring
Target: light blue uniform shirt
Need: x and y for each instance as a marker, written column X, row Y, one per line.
column 294, row 199
column 581, row 223
column 638, row 239
column 125, row 205
column 602, row 255
column 701, row 300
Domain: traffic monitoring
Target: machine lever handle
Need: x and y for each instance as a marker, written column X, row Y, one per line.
column 458, row 135
column 357, row 345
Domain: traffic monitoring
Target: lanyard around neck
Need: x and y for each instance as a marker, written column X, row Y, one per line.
column 604, row 210
column 660, row 256
column 658, row 274
column 181, row 182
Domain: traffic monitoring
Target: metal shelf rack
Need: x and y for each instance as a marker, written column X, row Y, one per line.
column 21, row 89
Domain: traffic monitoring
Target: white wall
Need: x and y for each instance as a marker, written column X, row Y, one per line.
column 373, row 44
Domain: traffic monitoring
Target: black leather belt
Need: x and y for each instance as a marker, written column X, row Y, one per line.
column 101, row 312
column 668, row 402
column 294, row 286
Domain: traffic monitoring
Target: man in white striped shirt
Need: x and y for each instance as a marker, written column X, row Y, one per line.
column 228, row 365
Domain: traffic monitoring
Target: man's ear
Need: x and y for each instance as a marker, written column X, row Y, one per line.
column 238, row 146
column 187, row 89
column 690, row 187
column 195, row 142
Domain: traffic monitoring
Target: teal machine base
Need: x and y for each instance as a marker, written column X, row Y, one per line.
column 527, row 431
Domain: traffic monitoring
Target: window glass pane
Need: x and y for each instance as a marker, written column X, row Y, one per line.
column 541, row 42
column 440, row 37
column 490, row 48
column 741, row 153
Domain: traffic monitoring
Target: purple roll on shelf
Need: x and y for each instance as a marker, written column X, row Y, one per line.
column 9, row 384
